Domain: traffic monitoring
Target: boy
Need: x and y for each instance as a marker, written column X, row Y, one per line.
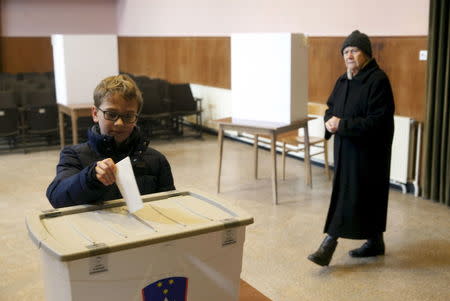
column 86, row 172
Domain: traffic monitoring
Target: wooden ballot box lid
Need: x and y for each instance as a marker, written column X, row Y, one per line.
column 86, row 230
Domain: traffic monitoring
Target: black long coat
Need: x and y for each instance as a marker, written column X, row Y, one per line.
column 362, row 153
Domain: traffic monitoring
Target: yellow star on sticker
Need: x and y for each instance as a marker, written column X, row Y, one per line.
column 165, row 291
column 171, row 281
column 159, row 284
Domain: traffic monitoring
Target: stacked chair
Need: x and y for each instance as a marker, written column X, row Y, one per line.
column 28, row 109
column 184, row 104
column 29, row 112
column 155, row 117
column 40, row 114
column 9, row 117
column 167, row 107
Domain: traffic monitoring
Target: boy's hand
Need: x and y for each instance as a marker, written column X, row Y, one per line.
column 105, row 171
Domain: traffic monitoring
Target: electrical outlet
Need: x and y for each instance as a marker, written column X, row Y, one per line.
column 423, row 55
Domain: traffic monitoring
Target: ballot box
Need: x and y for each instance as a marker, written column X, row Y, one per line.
column 182, row 245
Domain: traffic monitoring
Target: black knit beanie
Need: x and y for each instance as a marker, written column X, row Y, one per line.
column 360, row 40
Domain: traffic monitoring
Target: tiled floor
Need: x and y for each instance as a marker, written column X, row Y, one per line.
column 416, row 266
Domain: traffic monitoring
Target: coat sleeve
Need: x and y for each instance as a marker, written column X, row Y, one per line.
column 329, row 110
column 73, row 184
column 165, row 179
column 380, row 110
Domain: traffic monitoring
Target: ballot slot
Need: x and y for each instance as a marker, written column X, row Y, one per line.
column 153, row 218
column 183, row 211
column 203, row 207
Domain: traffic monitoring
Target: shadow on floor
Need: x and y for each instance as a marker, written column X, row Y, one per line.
column 420, row 255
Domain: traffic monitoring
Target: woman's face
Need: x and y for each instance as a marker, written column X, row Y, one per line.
column 354, row 58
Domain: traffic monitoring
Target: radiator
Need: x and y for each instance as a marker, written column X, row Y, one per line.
column 405, row 153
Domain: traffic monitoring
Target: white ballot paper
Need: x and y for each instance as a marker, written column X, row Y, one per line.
column 126, row 182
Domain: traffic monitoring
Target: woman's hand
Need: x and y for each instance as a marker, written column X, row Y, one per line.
column 332, row 124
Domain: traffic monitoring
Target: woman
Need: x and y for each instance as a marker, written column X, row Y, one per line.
column 360, row 115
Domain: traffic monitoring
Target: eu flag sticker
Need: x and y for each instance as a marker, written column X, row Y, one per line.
column 167, row 289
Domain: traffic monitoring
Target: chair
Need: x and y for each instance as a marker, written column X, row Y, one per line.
column 155, row 114
column 297, row 144
column 154, row 94
column 84, row 123
column 184, row 104
column 40, row 113
column 34, row 76
column 141, row 80
column 9, row 116
column 316, row 128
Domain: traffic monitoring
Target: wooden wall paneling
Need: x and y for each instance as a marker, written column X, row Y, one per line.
column 26, row 54
column 325, row 65
column 200, row 60
column 397, row 56
column 206, row 61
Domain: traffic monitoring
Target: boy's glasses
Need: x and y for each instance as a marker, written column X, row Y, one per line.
column 113, row 116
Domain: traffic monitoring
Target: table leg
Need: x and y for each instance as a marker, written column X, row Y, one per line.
column 61, row 128
column 74, row 119
column 283, row 160
column 273, row 148
column 307, row 158
column 220, row 142
column 255, row 147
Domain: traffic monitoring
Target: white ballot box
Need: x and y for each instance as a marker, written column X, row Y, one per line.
column 180, row 246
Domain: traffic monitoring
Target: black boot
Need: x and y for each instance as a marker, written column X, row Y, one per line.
column 323, row 255
column 373, row 247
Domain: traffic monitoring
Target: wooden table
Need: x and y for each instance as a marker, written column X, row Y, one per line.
column 270, row 129
column 249, row 293
column 74, row 111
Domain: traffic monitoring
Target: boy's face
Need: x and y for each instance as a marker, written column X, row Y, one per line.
column 120, row 129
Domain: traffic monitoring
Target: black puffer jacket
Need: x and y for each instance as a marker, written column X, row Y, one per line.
column 75, row 182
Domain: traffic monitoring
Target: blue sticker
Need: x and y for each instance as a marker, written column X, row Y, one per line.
column 167, row 289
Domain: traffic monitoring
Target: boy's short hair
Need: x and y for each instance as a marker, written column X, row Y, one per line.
column 122, row 85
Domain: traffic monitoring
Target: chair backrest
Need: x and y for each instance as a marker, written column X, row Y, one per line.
column 315, row 108
column 7, row 84
column 154, row 94
column 39, row 97
column 34, row 76
column 316, row 126
column 9, row 76
column 42, row 118
column 141, row 80
column 9, row 113
column 9, row 121
column 181, row 98
column 7, row 99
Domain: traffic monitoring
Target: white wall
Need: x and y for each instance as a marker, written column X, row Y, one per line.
column 213, row 17
column 318, row 17
column 26, row 18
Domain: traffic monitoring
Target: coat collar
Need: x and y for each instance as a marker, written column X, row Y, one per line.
column 364, row 73
column 105, row 145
